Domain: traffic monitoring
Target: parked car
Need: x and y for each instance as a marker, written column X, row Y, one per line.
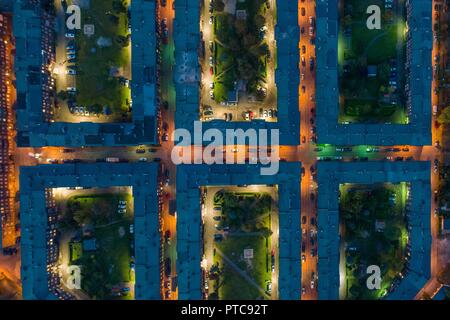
column 168, row 266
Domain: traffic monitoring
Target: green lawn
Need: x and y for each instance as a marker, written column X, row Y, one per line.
column 234, row 286
column 247, row 215
column 97, row 209
column 364, row 98
column 360, row 207
column 224, row 72
column 76, row 250
column 96, row 85
column 110, row 263
column 360, row 110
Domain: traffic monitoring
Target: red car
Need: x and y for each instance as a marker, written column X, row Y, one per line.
column 211, row 70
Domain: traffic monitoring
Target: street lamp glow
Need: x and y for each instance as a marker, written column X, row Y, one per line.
column 204, row 263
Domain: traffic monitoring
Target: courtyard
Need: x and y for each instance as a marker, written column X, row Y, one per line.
column 239, row 61
column 97, row 234
column 372, row 76
column 93, row 65
column 240, row 246
column 373, row 232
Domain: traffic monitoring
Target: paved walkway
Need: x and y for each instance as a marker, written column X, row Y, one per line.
column 242, row 273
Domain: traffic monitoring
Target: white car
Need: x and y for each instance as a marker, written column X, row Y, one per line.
column 131, row 228
column 211, row 20
column 71, row 89
column 70, row 35
column 71, row 71
column 211, row 85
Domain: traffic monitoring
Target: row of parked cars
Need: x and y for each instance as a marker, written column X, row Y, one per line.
column 79, row 111
column 164, row 31
column 71, row 56
column 267, row 113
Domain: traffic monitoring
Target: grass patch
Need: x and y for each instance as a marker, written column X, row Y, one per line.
column 375, row 233
column 97, row 83
column 247, row 215
column 234, row 286
column 97, row 217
